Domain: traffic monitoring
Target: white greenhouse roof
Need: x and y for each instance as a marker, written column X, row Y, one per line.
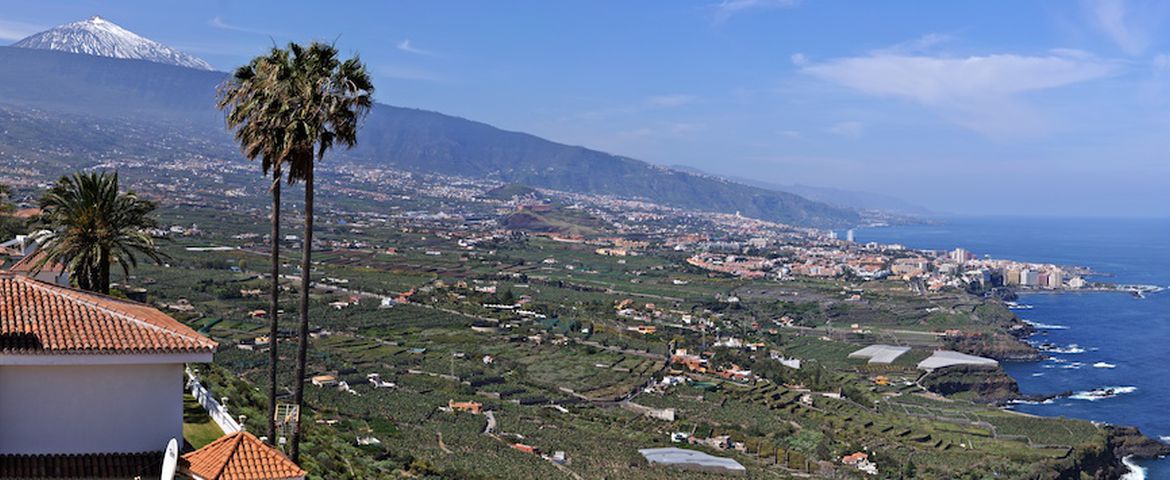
column 880, row 353
column 678, row 457
column 946, row 358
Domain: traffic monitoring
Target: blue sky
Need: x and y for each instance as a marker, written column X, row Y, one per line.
column 990, row 107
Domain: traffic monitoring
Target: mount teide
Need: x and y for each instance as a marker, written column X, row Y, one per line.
column 148, row 92
column 101, row 37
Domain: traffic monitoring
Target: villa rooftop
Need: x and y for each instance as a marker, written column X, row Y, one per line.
column 240, row 456
column 42, row 318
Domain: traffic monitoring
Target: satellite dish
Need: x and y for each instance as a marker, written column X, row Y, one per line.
column 170, row 460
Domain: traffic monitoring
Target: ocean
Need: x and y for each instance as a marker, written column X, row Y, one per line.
column 1111, row 350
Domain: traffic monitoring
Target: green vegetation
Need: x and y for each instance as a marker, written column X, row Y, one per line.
column 549, row 380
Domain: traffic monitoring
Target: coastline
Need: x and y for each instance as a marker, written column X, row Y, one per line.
column 1127, row 256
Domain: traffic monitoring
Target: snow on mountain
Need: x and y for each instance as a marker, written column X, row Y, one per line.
column 101, row 37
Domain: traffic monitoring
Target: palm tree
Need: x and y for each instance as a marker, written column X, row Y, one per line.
column 315, row 101
column 89, row 225
column 254, row 99
column 331, row 97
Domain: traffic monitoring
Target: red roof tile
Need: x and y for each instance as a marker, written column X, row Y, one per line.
column 38, row 317
column 26, row 264
column 240, row 456
column 106, row 465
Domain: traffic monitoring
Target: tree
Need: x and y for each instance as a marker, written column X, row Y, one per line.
column 9, row 225
column 315, row 101
column 255, row 100
column 89, row 225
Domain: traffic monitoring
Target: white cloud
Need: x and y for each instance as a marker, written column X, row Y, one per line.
column 1161, row 62
column 16, row 30
column 917, row 45
column 799, row 59
column 405, row 46
column 668, row 101
column 852, row 129
column 1131, row 26
column 728, row 8
column 977, row 92
column 220, row 23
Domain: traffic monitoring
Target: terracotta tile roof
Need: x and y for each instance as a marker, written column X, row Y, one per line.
column 38, row 317
column 26, row 264
column 240, row 456
column 107, row 465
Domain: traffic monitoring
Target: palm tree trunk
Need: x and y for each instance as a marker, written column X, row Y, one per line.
column 302, row 348
column 274, row 305
column 104, row 271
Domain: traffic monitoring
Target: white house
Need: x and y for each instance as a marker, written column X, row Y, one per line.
column 89, row 376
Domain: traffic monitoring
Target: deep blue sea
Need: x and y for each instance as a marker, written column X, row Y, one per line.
column 1092, row 328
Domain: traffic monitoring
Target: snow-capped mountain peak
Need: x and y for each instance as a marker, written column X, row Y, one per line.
column 101, row 37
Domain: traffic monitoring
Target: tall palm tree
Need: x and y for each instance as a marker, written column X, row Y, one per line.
column 330, row 98
column 254, row 98
column 89, row 225
column 315, row 101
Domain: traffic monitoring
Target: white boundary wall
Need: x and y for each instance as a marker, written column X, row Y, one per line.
column 217, row 412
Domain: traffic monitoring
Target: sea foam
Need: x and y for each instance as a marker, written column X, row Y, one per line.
column 1102, row 393
column 1135, row 471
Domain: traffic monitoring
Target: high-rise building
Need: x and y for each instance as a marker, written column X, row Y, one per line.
column 1029, row 278
column 960, row 255
column 1055, row 278
column 832, row 234
column 849, row 235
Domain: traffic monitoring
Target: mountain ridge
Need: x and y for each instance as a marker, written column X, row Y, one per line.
column 411, row 139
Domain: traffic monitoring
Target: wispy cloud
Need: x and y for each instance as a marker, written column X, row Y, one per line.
column 852, row 129
column 1131, row 26
column 977, row 92
column 668, row 101
column 651, row 103
column 13, row 31
column 729, row 8
column 220, row 23
column 406, row 46
column 917, row 45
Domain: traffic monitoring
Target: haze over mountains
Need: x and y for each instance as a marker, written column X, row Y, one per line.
column 148, row 82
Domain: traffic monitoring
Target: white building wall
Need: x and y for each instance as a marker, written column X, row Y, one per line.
column 90, row 408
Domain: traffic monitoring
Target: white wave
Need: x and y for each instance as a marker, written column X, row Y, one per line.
column 1102, row 393
column 1135, row 471
column 1164, row 438
column 1031, row 402
column 1073, row 366
column 1045, row 326
column 1104, row 365
column 1070, row 349
column 1038, row 374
